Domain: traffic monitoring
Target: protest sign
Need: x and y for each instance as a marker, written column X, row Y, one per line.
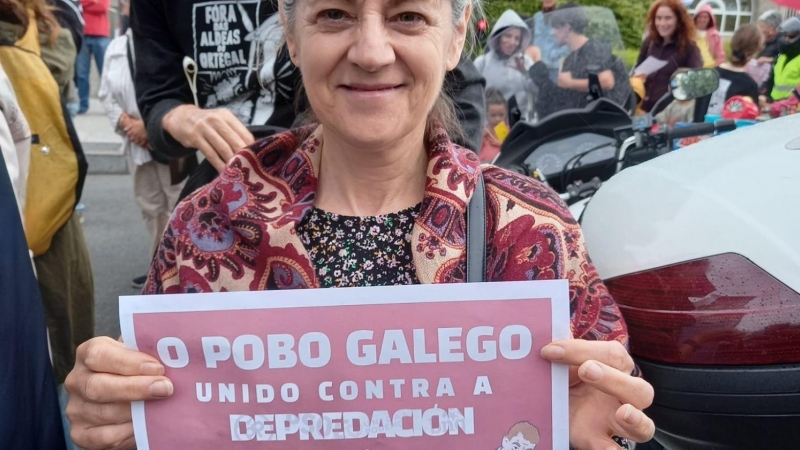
column 400, row 367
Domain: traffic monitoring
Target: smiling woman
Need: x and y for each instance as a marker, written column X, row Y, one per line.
column 374, row 193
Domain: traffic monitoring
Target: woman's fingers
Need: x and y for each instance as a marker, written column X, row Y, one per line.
column 620, row 385
column 103, row 354
column 575, row 352
column 79, row 411
column 633, row 424
column 107, row 388
column 116, row 436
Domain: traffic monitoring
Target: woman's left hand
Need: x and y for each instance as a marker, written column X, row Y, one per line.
column 605, row 400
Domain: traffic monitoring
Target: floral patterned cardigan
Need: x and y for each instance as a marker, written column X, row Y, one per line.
column 238, row 233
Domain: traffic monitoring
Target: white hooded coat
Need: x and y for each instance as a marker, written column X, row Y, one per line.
column 500, row 70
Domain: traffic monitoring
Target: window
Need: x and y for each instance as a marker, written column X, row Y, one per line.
column 730, row 14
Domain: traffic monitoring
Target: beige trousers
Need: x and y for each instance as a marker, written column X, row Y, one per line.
column 155, row 197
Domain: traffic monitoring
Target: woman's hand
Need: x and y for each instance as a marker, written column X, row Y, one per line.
column 107, row 377
column 604, row 399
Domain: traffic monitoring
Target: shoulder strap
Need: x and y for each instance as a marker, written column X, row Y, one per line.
column 476, row 233
column 131, row 54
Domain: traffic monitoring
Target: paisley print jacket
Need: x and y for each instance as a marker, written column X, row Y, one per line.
column 238, row 233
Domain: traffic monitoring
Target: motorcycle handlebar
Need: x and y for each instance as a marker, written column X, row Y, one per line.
column 700, row 129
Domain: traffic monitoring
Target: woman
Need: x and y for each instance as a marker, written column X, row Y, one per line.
column 152, row 186
column 381, row 163
column 505, row 64
column 760, row 68
column 708, row 40
column 733, row 79
column 670, row 38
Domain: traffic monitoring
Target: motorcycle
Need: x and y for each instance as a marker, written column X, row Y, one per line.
column 575, row 150
column 703, row 257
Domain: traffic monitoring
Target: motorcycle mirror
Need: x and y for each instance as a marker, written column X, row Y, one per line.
column 693, row 83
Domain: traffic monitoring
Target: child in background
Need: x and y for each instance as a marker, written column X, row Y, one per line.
column 496, row 112
column 678, row 110
column 708, row 39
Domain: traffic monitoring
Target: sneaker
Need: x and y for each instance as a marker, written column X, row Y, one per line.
column 139, row 282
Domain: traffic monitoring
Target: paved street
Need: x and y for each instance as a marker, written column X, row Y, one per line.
column 118, row 244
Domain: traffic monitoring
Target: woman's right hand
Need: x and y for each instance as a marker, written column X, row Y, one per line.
column 107, row 377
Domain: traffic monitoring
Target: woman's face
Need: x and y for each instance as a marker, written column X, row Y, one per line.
column 509, row 41
column 497, row 114
column 767, row 30
column 372, row 69
column 666, row 22
column 702, row 21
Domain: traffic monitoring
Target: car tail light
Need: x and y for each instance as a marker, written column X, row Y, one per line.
column 721, row 310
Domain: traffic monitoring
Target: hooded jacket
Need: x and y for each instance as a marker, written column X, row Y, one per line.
column 500, row 70
column 713, row 38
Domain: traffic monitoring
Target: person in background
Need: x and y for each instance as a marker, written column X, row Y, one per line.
column 31, row 58
column 569, row 24
column 785, row 75
column 152, row 187
column 69, row 16
column 678, row 111
column 496, row 113
column 759, row 68
column 125, row 16
column 671, row 38
column 550, row 50
column 505, row 64
column 30, row 416
column 733, row 80
column 708, row 40
column 95, row 41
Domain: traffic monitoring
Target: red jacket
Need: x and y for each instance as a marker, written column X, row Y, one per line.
column 95, row 14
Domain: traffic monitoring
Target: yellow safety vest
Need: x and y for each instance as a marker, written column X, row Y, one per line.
column 787, row 77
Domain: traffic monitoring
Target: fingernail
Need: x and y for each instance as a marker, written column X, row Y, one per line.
column 161, row 389
column 553, row 352
column 150, row 368
column 592, row 371
column 632, row 416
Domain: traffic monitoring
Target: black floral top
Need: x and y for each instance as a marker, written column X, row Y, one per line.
column 351, row 251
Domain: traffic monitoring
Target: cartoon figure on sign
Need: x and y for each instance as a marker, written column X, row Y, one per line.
column 522, row 436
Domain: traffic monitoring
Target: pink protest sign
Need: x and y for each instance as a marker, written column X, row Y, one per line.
column 400, row 367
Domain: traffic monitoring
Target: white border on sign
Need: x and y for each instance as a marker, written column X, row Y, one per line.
column 555, row 290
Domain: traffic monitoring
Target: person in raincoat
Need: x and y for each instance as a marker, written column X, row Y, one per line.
column 708, row 39
column 505, row 64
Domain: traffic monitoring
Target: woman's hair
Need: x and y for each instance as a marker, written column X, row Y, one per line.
column 13, row 11
column 746, row 43
column 16, row 11
column 443, row 111
column 772, row 18
column 571, row 14
column 494, row 97
column 685, row 32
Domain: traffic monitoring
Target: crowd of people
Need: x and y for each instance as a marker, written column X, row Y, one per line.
column 541, row 65
column 404, row 126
